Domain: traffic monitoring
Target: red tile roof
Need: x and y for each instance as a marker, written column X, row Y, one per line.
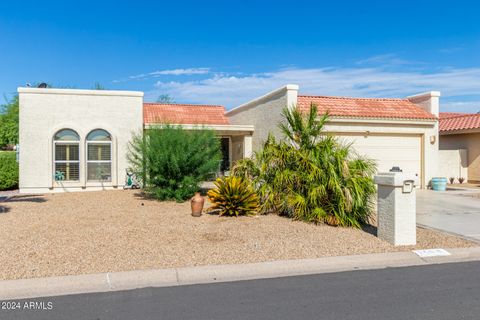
column 183, row 114
column 444, row 115
column 364, row 107
column 460, row 122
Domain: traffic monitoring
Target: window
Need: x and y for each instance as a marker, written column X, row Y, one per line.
column 66, row 157
column 99, row 156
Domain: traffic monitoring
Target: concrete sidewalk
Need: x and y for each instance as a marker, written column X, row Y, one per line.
column 104, row 282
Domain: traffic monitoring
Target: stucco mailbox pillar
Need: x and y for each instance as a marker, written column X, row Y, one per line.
column 396, row 210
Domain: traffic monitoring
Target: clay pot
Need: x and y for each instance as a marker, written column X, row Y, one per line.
column 197, row 204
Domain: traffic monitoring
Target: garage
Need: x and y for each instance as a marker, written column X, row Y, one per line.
column 402, row 151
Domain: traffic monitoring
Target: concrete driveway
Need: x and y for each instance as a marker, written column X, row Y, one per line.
column 455, row 211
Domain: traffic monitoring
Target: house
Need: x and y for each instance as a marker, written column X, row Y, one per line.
column 394, row 132
column 460, row 145
column 74, row 140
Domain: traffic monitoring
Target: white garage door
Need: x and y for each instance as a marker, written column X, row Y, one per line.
column 390, row 151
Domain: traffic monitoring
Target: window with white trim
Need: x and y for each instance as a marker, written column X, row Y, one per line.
column 99, row 156
column 66, row 155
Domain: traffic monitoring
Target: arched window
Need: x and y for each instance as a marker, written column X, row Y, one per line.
column 66, row 157
column 99, row 156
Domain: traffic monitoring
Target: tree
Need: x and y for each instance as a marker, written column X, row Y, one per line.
column 165, row 98
column 171, row 162
column 98, row 86
column 310, row 175
column 9, row 123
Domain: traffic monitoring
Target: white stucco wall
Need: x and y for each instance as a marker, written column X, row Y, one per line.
column 264, row 113
column 45, row 111
column 453, row 164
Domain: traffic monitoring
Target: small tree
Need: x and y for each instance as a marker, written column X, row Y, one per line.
column 171, row 162
column 165, row 98
column 9, row 123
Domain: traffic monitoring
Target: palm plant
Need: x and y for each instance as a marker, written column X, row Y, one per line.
column 311, row 176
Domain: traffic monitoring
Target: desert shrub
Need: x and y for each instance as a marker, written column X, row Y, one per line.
column 8, row 170
column 233, row 196
column 171, row 162
column 461, row 180
column 452, row 180
column 310, row 175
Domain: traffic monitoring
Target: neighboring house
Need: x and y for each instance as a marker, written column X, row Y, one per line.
column 74, row 140
column 460, row 145
column 393, row 132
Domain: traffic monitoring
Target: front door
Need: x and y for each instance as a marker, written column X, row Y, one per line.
column 225, row 149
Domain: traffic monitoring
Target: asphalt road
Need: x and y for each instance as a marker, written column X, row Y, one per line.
column 447, row 291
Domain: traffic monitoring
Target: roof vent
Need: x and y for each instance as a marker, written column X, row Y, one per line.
column 42, row 85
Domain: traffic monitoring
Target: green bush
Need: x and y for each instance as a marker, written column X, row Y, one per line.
column 233, row 196
column 8, row 170
column 310, row 175
column 171, row 162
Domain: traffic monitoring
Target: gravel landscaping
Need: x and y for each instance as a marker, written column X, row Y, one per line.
column 108, row 231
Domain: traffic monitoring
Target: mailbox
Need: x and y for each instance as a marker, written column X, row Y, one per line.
column 396, row 212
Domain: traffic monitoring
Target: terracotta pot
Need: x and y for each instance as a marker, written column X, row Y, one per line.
column 197, row 204
column 332, row 221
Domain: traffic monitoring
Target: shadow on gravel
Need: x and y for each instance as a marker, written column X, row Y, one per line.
column 370, row 229
column 4, row 209
column 26, row 198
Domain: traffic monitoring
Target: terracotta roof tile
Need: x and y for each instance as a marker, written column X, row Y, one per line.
column 444, row 115
column 183, row 114
column 460, row 122
column 364, row 107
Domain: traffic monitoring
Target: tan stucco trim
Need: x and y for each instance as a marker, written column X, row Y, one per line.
column 409, row 122
column 217, row 127
column 463, row 131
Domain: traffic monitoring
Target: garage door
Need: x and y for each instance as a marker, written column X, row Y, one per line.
column 389, row 151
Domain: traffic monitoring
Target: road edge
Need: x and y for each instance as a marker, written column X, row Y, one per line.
column 118, row 281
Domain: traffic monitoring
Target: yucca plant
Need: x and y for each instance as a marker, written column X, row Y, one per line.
column 233, row 196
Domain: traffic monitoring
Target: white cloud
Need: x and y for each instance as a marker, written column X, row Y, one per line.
column 168, row 72
column 232, row 90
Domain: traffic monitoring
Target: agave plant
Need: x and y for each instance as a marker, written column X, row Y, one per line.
column 310, row 175
column 233, row 196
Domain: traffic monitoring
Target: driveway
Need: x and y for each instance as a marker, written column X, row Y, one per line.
column 455, row 211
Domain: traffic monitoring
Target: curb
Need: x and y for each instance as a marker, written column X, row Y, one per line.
column 117, row 281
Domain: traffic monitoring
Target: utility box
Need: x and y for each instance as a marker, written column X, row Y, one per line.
column 396, row 211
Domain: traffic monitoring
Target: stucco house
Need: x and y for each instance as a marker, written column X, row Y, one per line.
column 75, row 140
column 460, row 145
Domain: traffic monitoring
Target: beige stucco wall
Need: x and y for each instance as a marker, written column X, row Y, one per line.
column 45, row 111
column 264, row 113
column 470, row 142
column 453, row 163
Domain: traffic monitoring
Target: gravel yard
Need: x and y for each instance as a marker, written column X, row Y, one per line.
column 108, row 231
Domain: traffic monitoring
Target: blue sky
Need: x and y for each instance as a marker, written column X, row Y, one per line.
column 227, row 52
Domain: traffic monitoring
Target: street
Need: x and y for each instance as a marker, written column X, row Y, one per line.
column 444, row 291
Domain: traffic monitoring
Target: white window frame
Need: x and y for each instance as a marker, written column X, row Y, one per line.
column 88, row 142
column 69, row 142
